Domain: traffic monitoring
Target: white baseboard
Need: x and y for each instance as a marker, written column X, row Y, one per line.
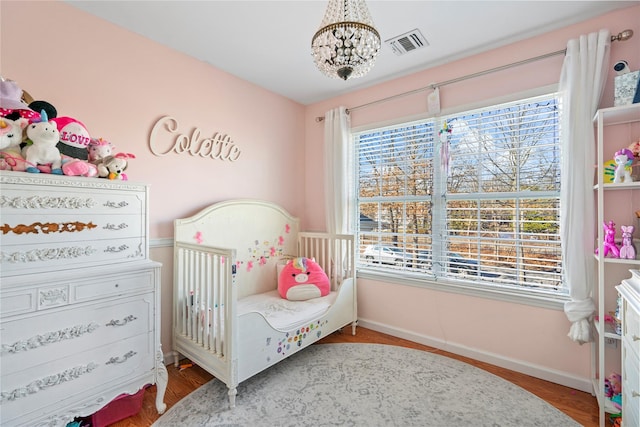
column 558, row 377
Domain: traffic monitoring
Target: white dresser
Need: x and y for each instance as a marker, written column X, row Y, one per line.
column 629, row 290
column 79, row 297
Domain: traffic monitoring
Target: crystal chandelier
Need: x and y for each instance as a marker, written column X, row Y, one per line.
column 346, row 44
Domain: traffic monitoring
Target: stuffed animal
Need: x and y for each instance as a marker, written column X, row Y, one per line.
column 613, row 384
column 10, row 139
column 11, row 104
column 613, row 390
column 98, row 149
column 623, row 159
column 77, row 167
column 302, row 279
column 74, row 137
column 44, row 136
column 112, row 167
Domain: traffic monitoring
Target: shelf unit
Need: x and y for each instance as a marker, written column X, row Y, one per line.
column 610, row 271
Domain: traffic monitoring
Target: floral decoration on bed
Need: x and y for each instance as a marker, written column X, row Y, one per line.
column 298, row 336
column 261, row 252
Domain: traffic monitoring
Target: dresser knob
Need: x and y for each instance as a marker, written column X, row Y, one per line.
column 635, row 394
column 117, row 285
column 635, row 338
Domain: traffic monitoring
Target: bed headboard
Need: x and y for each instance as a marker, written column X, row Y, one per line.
column 260, row 232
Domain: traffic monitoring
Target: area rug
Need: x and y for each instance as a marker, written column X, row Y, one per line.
column 366, row 385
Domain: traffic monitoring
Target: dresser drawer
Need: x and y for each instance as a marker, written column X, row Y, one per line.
column 631, row 325
column 25, row 297
column 36, row 258
column 37, row 339
column 23, row 301
column 47, row 387
column 78, row 197
column 44, row 230
column 113, row 285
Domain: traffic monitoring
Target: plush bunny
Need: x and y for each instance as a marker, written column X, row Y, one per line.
column 44, row 136
column 10, row 138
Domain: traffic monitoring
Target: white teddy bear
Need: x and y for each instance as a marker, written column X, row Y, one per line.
column 10, row 139
column 44, row 136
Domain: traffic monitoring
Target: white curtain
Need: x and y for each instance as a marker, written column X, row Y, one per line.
column 338, row 189
column 581, row 83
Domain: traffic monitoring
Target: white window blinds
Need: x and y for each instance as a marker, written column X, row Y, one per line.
column 478, row 204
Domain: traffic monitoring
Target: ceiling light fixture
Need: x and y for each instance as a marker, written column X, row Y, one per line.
column 346, row 45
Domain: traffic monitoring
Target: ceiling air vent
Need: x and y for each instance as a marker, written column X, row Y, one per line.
column 407, row 42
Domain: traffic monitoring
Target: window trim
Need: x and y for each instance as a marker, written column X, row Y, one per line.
column 511, row 295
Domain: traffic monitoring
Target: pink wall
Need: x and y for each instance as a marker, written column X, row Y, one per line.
column 525, row 338
column 119, row 84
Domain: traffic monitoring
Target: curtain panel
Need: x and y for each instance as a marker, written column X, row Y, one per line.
column 582, row 81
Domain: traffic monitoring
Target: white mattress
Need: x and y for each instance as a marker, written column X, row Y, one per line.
column 283, row 314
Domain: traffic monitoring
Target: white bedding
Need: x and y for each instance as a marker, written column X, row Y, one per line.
column 283, row 314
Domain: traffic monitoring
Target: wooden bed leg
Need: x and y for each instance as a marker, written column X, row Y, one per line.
column 353, row 327
column 232, row 397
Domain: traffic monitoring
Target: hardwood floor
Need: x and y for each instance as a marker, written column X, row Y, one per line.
column 579, row 405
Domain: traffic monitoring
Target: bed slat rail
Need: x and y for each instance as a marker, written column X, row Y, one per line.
column 206, row 295
column 334, row 253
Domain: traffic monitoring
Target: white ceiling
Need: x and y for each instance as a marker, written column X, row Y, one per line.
column 268, row 42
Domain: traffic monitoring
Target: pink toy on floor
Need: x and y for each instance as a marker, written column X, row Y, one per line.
column 627, row 250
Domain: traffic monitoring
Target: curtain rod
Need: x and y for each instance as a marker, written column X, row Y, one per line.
column 622, row 36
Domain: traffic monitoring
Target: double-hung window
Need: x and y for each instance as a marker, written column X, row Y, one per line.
column 469, row 199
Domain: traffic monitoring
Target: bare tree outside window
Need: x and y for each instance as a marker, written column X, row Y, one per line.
column 492, row 217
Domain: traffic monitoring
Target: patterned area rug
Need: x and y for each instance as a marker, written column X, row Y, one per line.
column 366, row 385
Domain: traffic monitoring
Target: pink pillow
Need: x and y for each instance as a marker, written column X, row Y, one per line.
column 302, row 279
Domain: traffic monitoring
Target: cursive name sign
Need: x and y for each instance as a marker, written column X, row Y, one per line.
column 162, row 142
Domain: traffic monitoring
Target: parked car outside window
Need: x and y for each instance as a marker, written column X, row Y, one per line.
column 385, row 254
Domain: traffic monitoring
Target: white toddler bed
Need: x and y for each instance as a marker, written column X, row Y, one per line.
column 228, row 316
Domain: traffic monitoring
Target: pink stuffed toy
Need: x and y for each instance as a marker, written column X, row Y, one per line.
column 97, row 150
column 302, row 279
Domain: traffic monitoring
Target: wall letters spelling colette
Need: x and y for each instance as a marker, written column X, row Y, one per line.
column 218, row 146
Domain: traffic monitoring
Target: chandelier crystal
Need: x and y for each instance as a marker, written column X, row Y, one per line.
column 346, row 45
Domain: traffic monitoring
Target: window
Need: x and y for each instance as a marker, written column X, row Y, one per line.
column 470, row 198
